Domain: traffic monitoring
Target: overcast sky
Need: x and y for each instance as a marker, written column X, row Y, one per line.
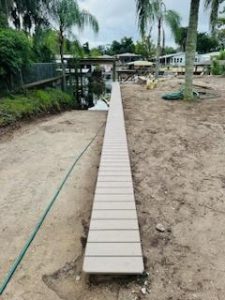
column 117, row 18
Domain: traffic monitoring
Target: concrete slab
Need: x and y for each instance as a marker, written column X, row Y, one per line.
column 113, row 224
column 128, row 236
column 114, row 191
column 113, row 198
column 113, row 265
column 108, row 184
column 114, row 214
column 107, row 178
column 113, row 249
column 114, row 205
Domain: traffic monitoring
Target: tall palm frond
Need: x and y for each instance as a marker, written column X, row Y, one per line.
column 173, row 20
column 213, row 5
column 87, row 19
column 65, row 12
column 146, row 14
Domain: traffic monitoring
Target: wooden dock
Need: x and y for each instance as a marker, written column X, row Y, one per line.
column 113, row 245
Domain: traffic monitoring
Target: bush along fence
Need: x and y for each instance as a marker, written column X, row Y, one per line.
column 32, row 104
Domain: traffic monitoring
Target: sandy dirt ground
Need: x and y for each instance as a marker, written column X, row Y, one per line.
column 178, row 162
column 33, row 161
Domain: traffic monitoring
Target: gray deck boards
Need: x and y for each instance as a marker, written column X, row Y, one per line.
column 113, row 245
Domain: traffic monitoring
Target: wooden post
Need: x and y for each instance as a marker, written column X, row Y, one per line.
column 76, row 81
column 70, row 79
column 114, row 70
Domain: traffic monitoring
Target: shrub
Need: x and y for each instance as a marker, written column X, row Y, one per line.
column 217, row 68
column 221, row 56
column 15, row 53
column 3, row 20
column 45, row 45
column 33, row 103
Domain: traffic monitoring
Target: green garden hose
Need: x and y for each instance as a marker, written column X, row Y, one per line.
column 25, row 248
column 178, row 95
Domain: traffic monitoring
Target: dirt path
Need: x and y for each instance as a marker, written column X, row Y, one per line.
column 33, row 162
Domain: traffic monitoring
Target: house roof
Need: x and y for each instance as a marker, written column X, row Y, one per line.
column 128, row 55
column 106, row 56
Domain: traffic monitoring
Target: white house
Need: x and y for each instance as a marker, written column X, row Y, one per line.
column 178, row 59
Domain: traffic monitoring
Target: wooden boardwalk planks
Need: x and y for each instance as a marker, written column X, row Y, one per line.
column 113, row 245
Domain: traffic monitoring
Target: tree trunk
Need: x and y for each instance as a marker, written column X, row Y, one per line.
column 158, row 50
column 163, row 41
column 191, row 49
column 61, row 42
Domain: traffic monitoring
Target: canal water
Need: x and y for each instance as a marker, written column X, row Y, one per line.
column 99, row 103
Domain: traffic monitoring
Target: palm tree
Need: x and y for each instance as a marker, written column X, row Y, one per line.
column 151, row 11
column 66, row 14
column 191, row 49
column 192, row 40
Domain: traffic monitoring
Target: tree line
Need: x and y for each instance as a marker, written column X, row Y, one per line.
column 147, row 48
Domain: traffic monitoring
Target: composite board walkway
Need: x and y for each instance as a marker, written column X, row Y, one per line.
column 113, row 245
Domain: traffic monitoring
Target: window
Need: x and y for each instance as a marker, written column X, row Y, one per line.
column 181, row 60
column 177, row 60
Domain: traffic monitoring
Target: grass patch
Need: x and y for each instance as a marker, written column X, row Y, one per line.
column 33, row 103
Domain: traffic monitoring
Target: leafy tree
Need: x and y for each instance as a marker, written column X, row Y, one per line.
column 95, row 52
column 66, row 14
column 15, row 54
column 115, row 48
column 145, row 48
column 125, row 45
column 101, row 49
column 155, row 11
column 206, row 43
column 169, row 50
column 76, row 49
column 45, row 45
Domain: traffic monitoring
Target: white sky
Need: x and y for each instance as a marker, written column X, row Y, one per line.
column 117, row 18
